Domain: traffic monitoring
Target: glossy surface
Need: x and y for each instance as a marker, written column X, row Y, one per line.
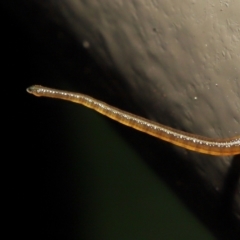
column 219, row 147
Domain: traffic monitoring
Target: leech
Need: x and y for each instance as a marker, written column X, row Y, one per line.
column 211, row 146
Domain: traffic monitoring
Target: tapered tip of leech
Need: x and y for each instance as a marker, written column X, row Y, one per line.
column 29, row 89
column 33, row 89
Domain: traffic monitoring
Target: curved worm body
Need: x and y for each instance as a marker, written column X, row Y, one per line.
column 218, row 147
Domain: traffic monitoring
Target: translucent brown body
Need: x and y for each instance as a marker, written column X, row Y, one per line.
column 221, row 147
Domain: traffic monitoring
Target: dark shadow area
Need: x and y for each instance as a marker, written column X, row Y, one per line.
column 213, row 210
column 231, row 184
column 230, row 191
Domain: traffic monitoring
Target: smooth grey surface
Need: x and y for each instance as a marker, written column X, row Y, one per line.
column 179, row 59
column 185, row 51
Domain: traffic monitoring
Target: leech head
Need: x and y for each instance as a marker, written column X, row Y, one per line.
column 34, row 90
